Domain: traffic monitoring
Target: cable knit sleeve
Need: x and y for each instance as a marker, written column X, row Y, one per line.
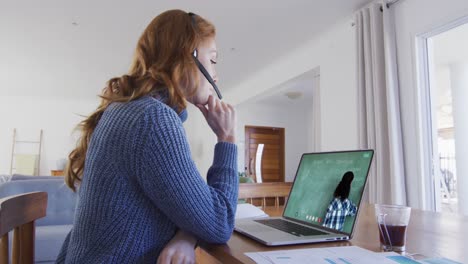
column 169, row 177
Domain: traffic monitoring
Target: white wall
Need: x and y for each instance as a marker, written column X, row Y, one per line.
column 334, row 53
column 459, row 84
column 292, row 118
column 201, row 139
column 57, row 117
column 412, row 18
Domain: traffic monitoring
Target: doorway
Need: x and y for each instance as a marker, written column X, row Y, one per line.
column 444, row 77
column 271, row 166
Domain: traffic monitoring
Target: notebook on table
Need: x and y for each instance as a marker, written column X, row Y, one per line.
column 323, row 204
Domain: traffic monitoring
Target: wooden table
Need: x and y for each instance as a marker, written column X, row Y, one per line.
column 56, row 172
column 431, row 234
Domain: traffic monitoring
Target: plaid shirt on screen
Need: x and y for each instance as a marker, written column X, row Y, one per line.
column 337, row 212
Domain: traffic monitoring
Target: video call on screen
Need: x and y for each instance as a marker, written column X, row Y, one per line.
column 316, row 181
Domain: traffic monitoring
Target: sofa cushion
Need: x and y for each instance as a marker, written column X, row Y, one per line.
column 49, row 240
column 18, row 177
column 61, row 200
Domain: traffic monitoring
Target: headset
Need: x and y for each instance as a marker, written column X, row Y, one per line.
column 200, row 66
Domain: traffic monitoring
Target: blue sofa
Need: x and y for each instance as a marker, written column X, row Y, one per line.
column 52, row 229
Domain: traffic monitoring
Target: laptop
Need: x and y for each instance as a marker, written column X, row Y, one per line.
column 323, row 204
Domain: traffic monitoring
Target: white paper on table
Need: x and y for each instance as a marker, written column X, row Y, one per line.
column 387, row 253
column 248, row 210
column 328, row 255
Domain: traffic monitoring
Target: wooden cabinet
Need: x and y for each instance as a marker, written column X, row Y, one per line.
column 56, row 172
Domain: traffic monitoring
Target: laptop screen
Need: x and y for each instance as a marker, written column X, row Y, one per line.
column 328, row 188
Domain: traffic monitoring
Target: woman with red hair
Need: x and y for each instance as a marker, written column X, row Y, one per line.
column 141, row 197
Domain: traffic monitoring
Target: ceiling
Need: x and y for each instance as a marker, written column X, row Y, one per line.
column 71, row 48
column 297, row 92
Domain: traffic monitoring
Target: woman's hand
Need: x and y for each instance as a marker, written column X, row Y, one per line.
column 221, row 117
column 180, row 250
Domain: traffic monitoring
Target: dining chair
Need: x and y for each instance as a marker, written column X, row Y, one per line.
column 264, row 190
column 19, row 213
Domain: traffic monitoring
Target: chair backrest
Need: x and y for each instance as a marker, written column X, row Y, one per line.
column 265, row 190
column 19, row 213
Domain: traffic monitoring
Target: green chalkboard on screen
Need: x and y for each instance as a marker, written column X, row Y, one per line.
column 317, row 178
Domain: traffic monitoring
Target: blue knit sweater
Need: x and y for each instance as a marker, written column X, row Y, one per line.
column 141, row 185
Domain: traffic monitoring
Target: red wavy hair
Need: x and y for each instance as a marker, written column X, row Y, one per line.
column 162, row 64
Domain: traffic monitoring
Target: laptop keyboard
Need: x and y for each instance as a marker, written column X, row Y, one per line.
column 290, row 227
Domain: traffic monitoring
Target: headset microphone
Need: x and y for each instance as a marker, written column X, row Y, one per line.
column 200, row 66
column 206, row 74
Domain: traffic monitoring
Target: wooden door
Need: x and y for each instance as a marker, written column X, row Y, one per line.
column 272, row 166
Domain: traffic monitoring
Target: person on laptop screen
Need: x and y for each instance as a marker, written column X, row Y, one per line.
column 340, row 206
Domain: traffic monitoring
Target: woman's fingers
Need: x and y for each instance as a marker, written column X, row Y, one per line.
column 211, row 102
column 220, row 117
